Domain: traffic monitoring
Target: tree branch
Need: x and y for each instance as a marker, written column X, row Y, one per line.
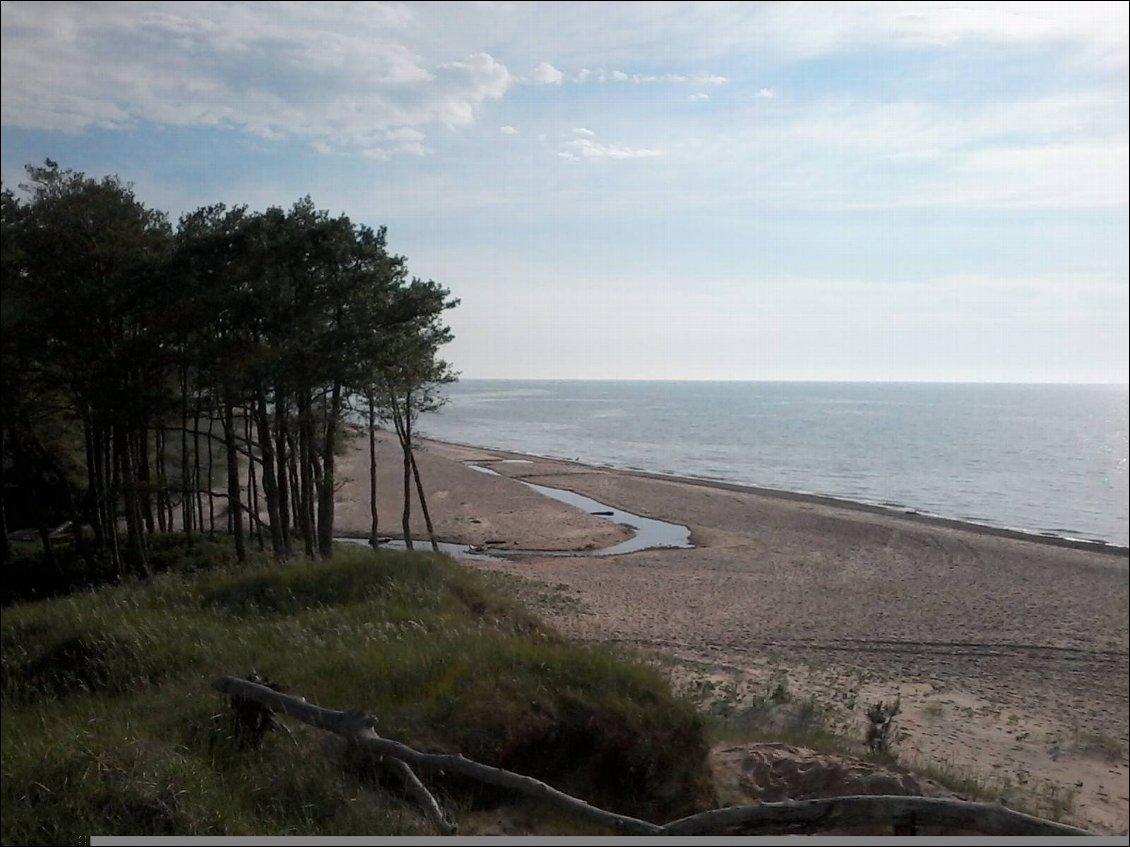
column 422, row 795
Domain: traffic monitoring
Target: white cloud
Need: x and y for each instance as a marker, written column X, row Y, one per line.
column 765, row 93
column 586, row 148
column 1060, row 151
column 268, row 69
column 580, row 130
column 699, row 97
column 1097, row 30
column 602, row 75
column 508, row 130
column 905, row 126
column 546, row 74
column 647, row 79
column 618, row 34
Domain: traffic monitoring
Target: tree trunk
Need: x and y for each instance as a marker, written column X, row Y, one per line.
column 292, row 474
column 110, row 472
column 211, row 496
column 270, row 482
column 128, row 485
column 419, row 485
column 141, row 465
column 374, row 538
column 235, row 506
column 252, row 487
column 48, row 549
column 91, row 506
column 199, row 499
column 187, row 501
column 282, row 467
column 306, row 477
column 7, row 553
column 326, row 488
column 162, row 488
column 406, row 450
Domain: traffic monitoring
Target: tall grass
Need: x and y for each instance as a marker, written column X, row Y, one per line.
column 110, row 726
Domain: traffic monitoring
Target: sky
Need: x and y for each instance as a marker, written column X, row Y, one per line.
column 758, row 191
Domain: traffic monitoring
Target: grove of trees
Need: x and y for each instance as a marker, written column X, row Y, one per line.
column 144, row 365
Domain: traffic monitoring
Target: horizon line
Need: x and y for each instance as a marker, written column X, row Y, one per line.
column 1125, row 384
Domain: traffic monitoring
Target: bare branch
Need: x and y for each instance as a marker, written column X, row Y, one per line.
column 422, row 795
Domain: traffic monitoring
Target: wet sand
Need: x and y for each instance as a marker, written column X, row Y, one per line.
column 1010, row 653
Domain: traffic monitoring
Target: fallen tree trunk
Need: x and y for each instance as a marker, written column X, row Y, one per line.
column 359, row 728
column 906, row 814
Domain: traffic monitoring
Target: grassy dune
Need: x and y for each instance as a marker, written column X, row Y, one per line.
column 110, row 726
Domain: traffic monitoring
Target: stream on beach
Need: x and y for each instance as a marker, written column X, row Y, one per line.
column 650, row 534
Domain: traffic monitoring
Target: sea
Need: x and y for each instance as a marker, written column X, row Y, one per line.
column 1049, row 460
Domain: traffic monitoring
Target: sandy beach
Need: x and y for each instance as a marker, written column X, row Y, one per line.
column 1010, row 654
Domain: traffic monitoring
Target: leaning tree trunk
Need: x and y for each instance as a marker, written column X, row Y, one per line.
column 406, row 449
column 252, row 483
column 416, row 474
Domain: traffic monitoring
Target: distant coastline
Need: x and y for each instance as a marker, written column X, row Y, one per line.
column 1041, row 461
column 1094, row 546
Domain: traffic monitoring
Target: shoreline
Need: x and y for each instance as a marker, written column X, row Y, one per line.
column 1084, row 544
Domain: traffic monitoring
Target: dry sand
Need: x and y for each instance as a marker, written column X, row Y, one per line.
column 1010, row 654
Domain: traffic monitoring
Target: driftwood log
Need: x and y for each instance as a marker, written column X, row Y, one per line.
column 905, row 813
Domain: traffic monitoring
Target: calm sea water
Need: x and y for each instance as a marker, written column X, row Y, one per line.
column 1050, row 459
